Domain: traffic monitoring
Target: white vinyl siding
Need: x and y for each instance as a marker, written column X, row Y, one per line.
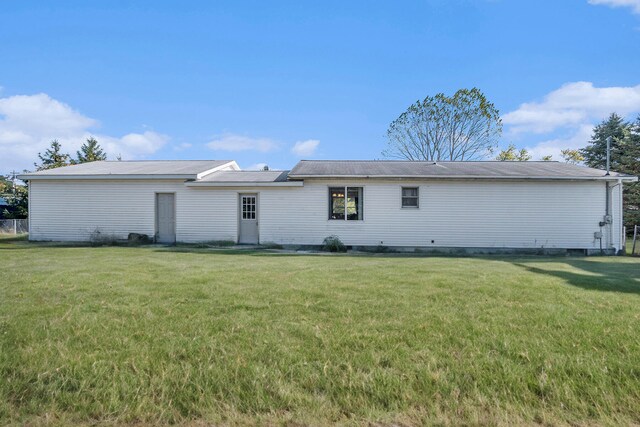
column 453, row 213
column 72, row 210
column 509, row 214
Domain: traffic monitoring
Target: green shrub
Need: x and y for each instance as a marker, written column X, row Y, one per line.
column 333, row 244
column 136, row 239
column 98, row 238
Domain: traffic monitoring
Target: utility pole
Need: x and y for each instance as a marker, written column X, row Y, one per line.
column 608, row 154
column 14, row 177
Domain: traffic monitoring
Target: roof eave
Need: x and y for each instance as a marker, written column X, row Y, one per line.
column 244, row 184
column 231, row 163
column 527, row 177
column 29, row 177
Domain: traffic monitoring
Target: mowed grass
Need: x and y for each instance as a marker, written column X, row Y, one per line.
column 118, row 335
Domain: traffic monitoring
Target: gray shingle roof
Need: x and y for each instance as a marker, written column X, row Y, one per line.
column 246, row 176
column 179, row 168
column 412, row 169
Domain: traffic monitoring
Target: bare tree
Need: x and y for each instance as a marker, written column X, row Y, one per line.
column 463, row 127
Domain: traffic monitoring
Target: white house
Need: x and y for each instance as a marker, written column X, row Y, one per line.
column 488, row 205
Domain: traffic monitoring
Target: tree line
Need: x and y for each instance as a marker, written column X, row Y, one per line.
column 54, row 157
column 17, row 196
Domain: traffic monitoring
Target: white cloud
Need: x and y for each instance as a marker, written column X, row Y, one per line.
column 41, row 115
column 553, row 146
column 305, row 148
column 28, row 123
column 633, row 4
column 572, row 105
column 568, row 114
column 233, row 142
column 132, row 145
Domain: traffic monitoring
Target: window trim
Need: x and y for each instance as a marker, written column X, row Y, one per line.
column 345, row 188
column 402, row 197
column 251, row 212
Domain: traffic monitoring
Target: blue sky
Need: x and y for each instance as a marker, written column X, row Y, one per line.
column 273, row 82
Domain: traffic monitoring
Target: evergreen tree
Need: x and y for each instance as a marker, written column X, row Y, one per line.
column 625, row 158
column 595, row 154
column 90, row 152
column 630, row 160
column 53, row 157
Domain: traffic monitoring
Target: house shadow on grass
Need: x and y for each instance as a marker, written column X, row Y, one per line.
column 599, row 274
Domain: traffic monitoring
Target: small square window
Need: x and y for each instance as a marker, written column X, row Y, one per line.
column 410, row 197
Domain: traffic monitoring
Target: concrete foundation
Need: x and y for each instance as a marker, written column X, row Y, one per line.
column 460, row 251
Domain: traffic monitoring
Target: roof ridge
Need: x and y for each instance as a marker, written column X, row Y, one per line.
column 431, row 161
column 162, row 160
column 252, row 170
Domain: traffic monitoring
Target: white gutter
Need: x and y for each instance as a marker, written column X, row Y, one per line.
column 545, row 178
column 28, row 177
column 244, row 184
column 200, row 175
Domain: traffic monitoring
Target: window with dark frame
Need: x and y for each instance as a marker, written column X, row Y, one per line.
column 410, row 197
column 345, row 203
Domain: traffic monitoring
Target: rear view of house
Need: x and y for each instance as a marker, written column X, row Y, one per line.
column 488, row 205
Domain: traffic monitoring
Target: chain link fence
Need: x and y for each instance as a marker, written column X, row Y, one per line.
column 14, row 226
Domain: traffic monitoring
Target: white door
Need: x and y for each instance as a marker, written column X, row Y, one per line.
column 248, row 222
column 165, row 218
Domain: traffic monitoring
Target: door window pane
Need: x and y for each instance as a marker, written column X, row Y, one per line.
column 248, row 207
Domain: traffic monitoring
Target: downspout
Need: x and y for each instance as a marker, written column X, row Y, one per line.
column 607, row 215
column 29, row 208
column 622, row 249
column 608, row 220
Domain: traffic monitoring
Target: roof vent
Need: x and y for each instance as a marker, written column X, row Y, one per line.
column 265, row 168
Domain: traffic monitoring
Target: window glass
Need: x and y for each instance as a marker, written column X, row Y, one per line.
column 248, row 207
column 345, row 203
column 336, row 203
column 410, row 197
column 354, row 203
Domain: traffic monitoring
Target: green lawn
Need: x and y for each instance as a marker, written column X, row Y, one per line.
column 157, row 335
